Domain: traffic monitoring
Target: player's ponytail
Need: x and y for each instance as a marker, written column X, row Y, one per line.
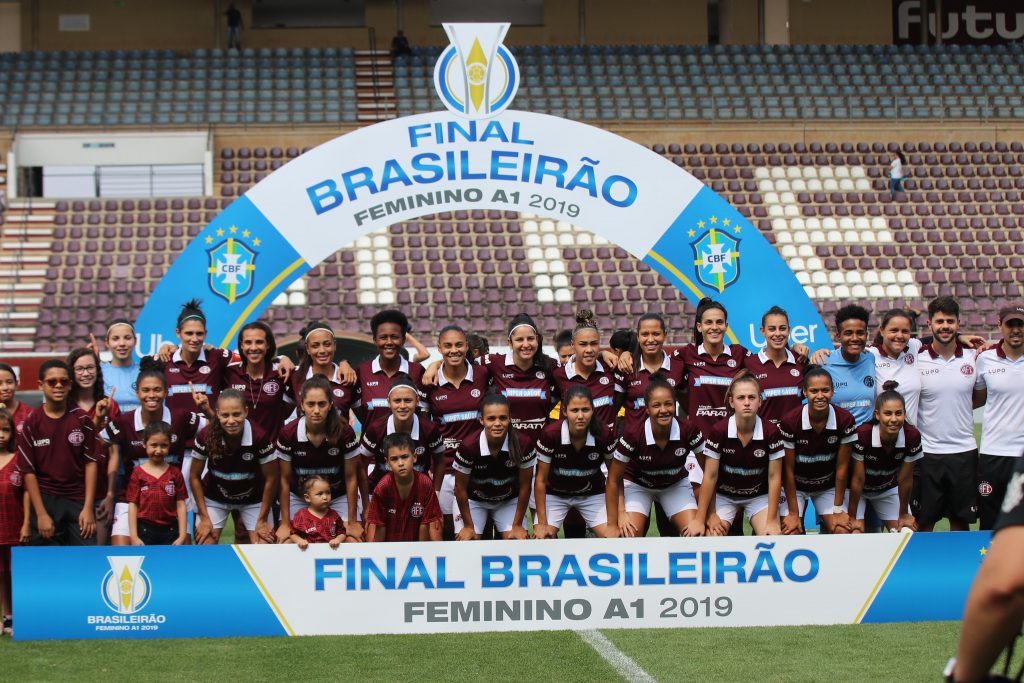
column 585, row 320
column 150, row 366
column 191, row 310
column 706, row 304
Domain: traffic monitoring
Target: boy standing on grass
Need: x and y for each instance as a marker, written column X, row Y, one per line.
column 404, row 506
column 55, row 457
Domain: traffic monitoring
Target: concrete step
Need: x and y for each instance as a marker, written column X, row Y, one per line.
column 18, row 331
column 11, row 300
column 9, row 345
column 24, row 258
column 373, row 53
column 23, row 287
column 22, row 272
column 38, row 231
column 15, row 217
column 368, row 73
column 25, row 246
column 28, row 316
column 384, row 106
column 32, row 204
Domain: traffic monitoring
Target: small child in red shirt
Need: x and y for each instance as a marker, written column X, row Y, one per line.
column 157, row 513
column 14, row 527
column 404, row 505
column 318, row 523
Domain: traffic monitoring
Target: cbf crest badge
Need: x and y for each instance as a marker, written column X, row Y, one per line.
column 232, row 267
column 716, row 259
column 476, row 76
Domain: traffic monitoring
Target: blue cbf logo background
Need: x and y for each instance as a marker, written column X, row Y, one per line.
column 717, row 258
column 476, row 76
column 232, row 265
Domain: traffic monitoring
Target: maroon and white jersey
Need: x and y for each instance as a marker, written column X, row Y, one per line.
column 294, row 446
column 313, row 529
column 743, row 470
column 264, row 396
column 428, row 444
column 373, row 385
column 708, row 379
column 815, row 452
column 235, row 478
column 601, row 383
column 635, row 386
column 781, row 387
column 126, row 430
column 20, row 415
column 12, row 493
column 530, row 392
column 456, row 412
column 493, row 477
column 882, row 466
column 157, row 497
column 206, row 376
column 402, row 518
column 343, row 397
column 56, row 451
column 653, row 467
column 573, row 472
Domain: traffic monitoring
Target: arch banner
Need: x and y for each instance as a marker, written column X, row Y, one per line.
column 478, row 154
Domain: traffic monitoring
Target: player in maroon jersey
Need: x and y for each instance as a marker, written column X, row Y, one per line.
column 817, row 438
column 255, row 375
column 585, row 368
column 318, row 345
column 192, row 363
column 14, row 526
column 390, row 329
column 494, row 472
column 649, row 358
column 569, row 455
column 404, row 506
column 124, row 434
column 779, row 370
column 317, row 522
column 241, row 473
column 743, row 459
column 19, row 410
column 883, row 469
column 55, row 458
column 157, row 493
column 319, row 443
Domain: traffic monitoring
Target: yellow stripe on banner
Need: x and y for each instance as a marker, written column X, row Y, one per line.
column 256, row 301
column 689, row 285
column 882, row 578
column 263, row 589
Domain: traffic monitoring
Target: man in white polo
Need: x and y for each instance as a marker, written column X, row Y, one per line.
column 1000, row 383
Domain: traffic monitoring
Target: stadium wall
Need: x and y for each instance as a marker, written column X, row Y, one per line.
column 814, row 22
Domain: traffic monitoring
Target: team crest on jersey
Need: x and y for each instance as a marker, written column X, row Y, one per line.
column 419, row 450
column 333, row 451
column 794, row 372
column 475, row 393
column 967, row 370
column 539, row 374
column 15, row 478
column 76, row 438
column 169, row 489
column 271, row 388
column 416, row 510
column 759, row 453
column 908, row 359
column 339, row 392
column 680, row 452
column 205, row 369
column 476, row 77
column 833, row 439
column 247, row 456
column 604, row 380
column 232, row 264
column 593, row 456
column 716, row 257
column 985, row 488
column 731, row 363
column 869, row 382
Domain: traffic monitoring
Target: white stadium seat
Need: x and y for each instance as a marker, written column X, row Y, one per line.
column 809, row 291
column 563, row 296
column 859, row 292
column 819, row 277
column 810, row 172
column 386, row 298
column 824, row 292
column 368, row 298
column 842, row 292
column 836, row 277
column 531, row 226
column 545, row 296
column 281, row 299
column 805, row 251
column 540, row 266
column 542, row 281
column 761, row 173
column 870, row 277
column 825, row 172
column 366, row 268
column 854, row 277
column 830, row 185
column 792, row 171
column 818, row 237
column 876, row 291
column 788, row 251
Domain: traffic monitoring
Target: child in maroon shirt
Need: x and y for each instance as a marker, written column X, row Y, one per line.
column 156, row 495
column 317, row 523
column 404, row 506
column 13, row 522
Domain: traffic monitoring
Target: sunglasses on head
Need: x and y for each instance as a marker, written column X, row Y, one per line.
column 53, row 382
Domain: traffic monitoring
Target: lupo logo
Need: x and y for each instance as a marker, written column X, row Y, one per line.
column 476, row 76
column 126, row 588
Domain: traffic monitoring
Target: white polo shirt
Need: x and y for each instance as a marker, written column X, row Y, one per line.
column 902, row 369
column 1002, row 427
column 945, row 415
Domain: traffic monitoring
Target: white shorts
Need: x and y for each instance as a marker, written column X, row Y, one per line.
column 674, row 499
column 503, row 513
column 823, row 502
column 120, row 527
column 727, row 507
column 446, row 496
column 694, row 472
column 339, row 505
column 219, row 514
column 591, row 508
column 186, row 465
column 886, row 504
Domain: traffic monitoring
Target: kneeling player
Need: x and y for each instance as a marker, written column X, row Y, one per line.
column 404, row 506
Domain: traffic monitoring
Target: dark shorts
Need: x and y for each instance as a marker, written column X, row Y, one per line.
column 1012, row 510
column 946, row 486
column 64, row 513
column 994, row 473
column 157, row 534
column 5, row 560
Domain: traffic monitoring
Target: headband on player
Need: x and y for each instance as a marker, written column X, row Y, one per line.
column 119, row 323
column 317, row 328
column 402, row 385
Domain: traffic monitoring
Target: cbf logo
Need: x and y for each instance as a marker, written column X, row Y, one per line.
column 126, row 588
column 475, row 76
column 716, row 256
column 232, row 263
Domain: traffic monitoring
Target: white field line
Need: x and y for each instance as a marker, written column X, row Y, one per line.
column 623, row 664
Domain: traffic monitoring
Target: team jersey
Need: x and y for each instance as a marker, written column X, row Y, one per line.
column 264, row 396
column 293, row 446
column 157, row 497
column 12, row 493
column 945, row 413
column 124, row 379
column 57, row 450
column 402, row 518
column 708, row 379
column 126, row 430
column 902, row 370
column 493, row 477
column 881, row 467
column 601, row 383
column 373, row 385
column 428, row 444
column 634, row 385
column 573, row 472
column 853, row 384
column 342, row 396
column 654, row 467
column 456, row 412
column 206, row 376
column 743, row 470
column 313, row 529
column 101, row 452
column 814, row 466
column 530, row 392
column 781, row 387
column 20, row 415
column 234, row 478
column 1002, row 427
